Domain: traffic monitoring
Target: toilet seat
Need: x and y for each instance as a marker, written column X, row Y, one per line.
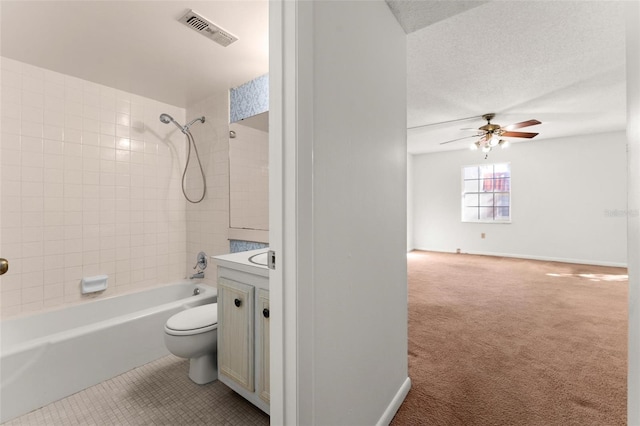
column 193, row 321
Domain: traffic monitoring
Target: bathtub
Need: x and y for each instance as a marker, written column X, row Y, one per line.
column 51, row 355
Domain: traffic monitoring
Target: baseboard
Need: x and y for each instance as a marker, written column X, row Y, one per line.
column 561, row 259
column 533, row 257
column 395, row 403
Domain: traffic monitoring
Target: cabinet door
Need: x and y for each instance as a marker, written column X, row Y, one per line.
column 264, row 383
column 235, row 332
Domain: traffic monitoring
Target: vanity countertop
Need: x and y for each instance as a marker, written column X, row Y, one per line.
column 252, row 261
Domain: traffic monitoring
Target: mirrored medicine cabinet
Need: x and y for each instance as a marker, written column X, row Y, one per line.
column 249, row 173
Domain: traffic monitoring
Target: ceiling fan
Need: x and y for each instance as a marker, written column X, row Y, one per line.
column 490, row 135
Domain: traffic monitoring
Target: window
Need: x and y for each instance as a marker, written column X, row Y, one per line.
column 486, row 193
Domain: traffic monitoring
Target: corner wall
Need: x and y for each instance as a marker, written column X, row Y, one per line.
column 633, row 135
column 568, row 201
column 343, row 294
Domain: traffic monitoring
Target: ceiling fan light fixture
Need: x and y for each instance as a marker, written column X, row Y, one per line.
column 490, row 134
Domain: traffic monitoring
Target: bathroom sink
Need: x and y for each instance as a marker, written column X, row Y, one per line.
column 259, row 259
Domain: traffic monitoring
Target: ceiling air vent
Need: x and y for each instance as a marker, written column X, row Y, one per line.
column 197, row 22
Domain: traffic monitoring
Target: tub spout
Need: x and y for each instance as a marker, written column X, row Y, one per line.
column 197, row 275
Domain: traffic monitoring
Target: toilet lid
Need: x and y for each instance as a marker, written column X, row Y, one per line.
column 200, row 317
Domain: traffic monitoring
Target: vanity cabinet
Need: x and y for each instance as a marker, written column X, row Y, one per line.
column 235, row 332
column 263, row 352
column 243, row 327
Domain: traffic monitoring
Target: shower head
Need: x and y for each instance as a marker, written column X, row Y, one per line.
column 166, row 119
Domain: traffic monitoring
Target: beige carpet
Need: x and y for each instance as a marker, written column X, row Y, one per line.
column 500, row 341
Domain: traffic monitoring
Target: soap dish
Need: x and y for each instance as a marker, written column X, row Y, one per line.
column 94, row 284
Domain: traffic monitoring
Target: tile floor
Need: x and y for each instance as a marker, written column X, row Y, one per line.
column 158, row 393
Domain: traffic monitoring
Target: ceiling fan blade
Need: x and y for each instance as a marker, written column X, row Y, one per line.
column 519, row 134
column 441, row 122
column 459, row 139
column 521, row 124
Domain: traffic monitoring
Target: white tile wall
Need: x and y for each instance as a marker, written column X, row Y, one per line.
column 208, row 221
column 90, row 184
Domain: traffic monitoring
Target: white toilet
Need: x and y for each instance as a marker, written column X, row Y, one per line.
column 193, row 334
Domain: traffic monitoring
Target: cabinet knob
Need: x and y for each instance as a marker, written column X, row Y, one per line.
column 237, row 302
column 4, row 266
column 265, row 312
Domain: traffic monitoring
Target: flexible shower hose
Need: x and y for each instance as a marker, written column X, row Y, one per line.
column 186, row 166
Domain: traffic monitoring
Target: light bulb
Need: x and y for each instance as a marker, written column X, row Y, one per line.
column 504, row 144
column 494, row 141
column 474, row 146
column 486, row 148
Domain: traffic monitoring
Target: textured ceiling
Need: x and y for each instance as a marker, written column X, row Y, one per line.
column 562, row 63
column 416, row 14
column 139, row 46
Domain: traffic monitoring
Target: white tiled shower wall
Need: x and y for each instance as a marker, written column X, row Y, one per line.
column 208, row 221
column 90, row 184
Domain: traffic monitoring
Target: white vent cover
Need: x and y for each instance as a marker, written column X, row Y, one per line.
column 197, row 22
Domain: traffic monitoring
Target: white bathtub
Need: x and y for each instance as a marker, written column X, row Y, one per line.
column 48, row 356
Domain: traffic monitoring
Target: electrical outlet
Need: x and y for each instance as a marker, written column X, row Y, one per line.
column 482, row 235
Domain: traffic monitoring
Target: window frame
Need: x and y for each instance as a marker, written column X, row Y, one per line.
column 464, row 192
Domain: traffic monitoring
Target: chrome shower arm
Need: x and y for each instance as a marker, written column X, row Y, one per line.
column 186, row 127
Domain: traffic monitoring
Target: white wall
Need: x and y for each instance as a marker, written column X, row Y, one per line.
column 633, row 134
column 89, row 185
column 410, row 242
column 344, row 287
column 568, row 201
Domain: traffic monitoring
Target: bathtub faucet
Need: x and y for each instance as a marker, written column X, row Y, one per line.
column 201, row 265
